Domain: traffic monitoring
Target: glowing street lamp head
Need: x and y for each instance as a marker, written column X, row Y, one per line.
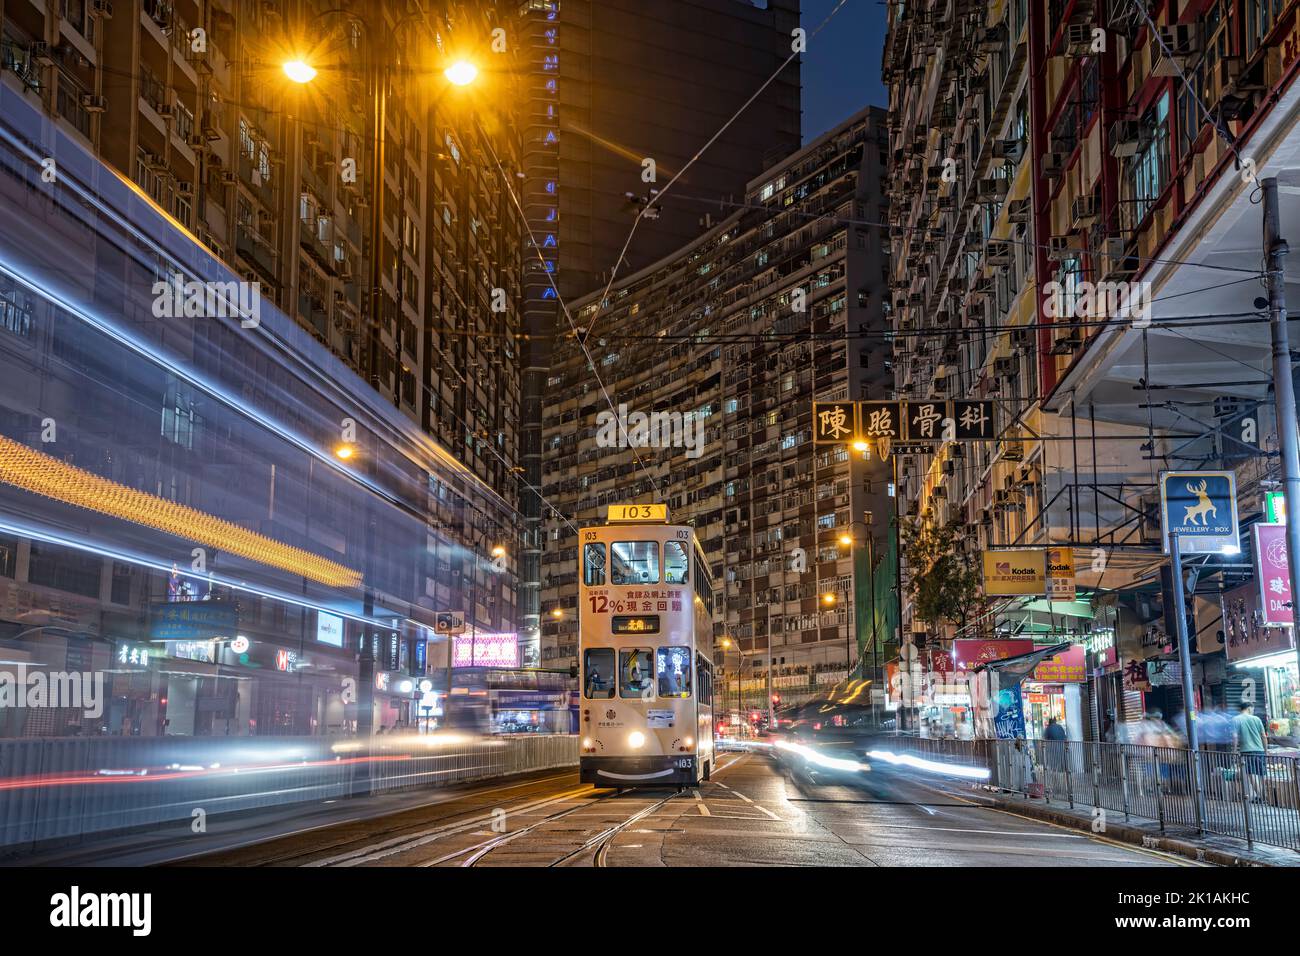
column 557, row 613
column 299, row 71
column 860, row 444
column 461, row 73
column 846, row 540
column 498, row 552
column 828, row 598
column 726, row 642
column 344, row 451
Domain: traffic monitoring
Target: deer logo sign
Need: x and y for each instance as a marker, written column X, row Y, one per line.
column 1203, row 509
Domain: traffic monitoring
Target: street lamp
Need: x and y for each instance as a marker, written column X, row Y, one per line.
column 344, row 451
column 846, row 540
column 461, row 73
column 299, row 71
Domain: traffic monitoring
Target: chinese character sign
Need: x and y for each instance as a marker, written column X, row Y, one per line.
column 925, row 420
column 881, row 419
column 834, row 422
column 1273, row 573
column 973, row 421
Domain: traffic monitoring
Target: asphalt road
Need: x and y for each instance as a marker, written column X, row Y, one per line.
column 753, row 813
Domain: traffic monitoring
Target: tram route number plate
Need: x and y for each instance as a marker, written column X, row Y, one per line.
column 685, row 763
column 659, row 718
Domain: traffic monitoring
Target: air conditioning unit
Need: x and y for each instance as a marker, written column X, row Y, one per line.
column 1011, row 150
column 1058, row 248
column 998, row 253
column 1125, row 138
column 93, row 104
column 1078, row 39
column 1018, row 210
column 1182, row 39
column 102, row 9
column 1053, row 165
column 1083, row 211
column 1012, row 451
column 992, row 188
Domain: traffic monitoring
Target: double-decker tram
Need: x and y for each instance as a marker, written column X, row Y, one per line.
column 645, row 626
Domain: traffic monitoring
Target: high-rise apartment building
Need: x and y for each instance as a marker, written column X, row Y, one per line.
column 617, row 92
column 734, row 335
column 188, row 99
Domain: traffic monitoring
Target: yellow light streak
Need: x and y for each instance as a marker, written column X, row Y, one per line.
column 42, row 474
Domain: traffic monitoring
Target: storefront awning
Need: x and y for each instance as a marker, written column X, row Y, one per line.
column 1015, row 669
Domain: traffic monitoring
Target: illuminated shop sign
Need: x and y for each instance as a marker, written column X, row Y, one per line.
column 329, row 629
column 485, row 650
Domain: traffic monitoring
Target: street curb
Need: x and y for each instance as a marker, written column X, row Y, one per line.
column 1127, row 833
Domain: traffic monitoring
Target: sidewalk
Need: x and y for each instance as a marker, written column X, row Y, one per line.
column 1139, row 831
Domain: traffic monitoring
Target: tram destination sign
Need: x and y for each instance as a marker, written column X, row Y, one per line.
column 925, row 422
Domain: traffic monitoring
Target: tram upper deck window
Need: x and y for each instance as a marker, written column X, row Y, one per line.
column 598, row 673
column 593, row 565
column 673, row 667
column 635, row 672
column 676, row 562
column 634, row 562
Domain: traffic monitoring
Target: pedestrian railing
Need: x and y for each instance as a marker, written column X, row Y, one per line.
column 1253, row 797
column 68, row 788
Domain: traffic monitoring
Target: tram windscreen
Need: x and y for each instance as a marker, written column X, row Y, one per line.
column 677, row 561
column 634, row 562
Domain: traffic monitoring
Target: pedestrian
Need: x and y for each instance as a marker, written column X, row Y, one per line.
column 1251, row 740
column 1054, row 737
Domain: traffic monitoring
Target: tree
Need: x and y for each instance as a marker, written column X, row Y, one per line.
column 944, row 584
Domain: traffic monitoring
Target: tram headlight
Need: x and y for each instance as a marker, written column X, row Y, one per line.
column 636, row 740
column 689, row 742
column 586, row 743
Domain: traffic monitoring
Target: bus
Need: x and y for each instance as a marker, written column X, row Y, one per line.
column 645, row 627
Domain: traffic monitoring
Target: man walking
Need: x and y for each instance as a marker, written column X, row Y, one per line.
column 1250, row 738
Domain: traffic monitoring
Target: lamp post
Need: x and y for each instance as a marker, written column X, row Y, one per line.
column 379, row 74
column 847, row 540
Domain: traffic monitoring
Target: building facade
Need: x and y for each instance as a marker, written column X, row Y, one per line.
column 232, row 174
column 735, row 334
column 1077, row 234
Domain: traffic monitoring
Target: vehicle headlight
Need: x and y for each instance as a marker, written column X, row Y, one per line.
column 689, row 741
column 586, row 743
column 636, row 739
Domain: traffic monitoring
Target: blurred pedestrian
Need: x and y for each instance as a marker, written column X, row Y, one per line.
column 1251, row 739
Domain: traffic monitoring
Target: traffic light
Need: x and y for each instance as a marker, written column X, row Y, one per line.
column 776, row 698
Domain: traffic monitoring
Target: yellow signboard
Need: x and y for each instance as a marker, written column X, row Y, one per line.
column 1060, row 574
column 624, row 513
column 1015, row 572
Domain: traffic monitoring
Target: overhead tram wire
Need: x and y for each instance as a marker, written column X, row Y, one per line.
column 659, row 194
column 564, row 307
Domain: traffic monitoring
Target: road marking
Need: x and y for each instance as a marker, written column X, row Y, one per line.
column 1179, row 860
column 908, row 826
column 704, row 810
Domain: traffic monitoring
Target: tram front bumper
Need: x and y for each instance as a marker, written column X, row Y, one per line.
column 660, row 770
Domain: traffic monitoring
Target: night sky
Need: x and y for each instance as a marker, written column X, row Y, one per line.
column 841, row 70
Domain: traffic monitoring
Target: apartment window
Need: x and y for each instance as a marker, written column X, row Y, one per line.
column 1147, row 173
column 15, row 312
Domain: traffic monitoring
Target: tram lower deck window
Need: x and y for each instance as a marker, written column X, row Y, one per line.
column 673, row 668
column 598, row 673
column 635, row 666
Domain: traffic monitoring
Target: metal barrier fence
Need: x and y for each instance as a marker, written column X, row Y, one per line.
column 1253, row 797
column 65, row 788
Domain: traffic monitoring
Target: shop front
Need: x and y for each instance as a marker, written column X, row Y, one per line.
column 1261, row 666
